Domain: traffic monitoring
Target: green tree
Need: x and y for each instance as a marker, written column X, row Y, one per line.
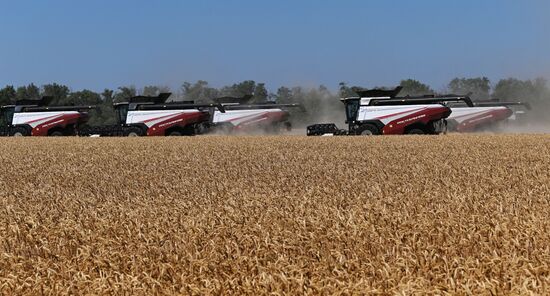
column 198, row 91
column 29, row 92
column 150, row 90
column 513, row 89
column 105, row 113
column 124, row 93
column 240, row 89
column 85, row 97
column 60, row 94
column 89, row 98
column 107, row 96
column 155, row 90
column 345, row 91
column 284, row 95
column 260, row 93
column 479, row 87
column 535, row 92
column 412, row 87
column 7, row 95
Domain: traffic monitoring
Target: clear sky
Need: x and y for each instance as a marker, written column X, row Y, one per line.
column 105, row 44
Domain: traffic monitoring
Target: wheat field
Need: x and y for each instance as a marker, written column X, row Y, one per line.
column 452, row 214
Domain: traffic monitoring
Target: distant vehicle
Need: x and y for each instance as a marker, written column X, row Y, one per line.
column 36, row 118
column 520, row 109
column 152, row 116
column 484, row 115
column 382, row 112
column 242, row 116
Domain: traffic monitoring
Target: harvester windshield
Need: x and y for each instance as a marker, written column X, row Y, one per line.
column 7, row 115
column 122, row 112
column 352, row 107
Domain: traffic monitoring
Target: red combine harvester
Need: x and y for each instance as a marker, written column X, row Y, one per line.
column 242, row 116
column 485, row 115
column 152, row 116
column 382, row 112
column 36, row 118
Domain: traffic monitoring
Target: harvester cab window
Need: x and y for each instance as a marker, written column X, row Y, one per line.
column 7, row 115
column 122, row 113
column 352, row 108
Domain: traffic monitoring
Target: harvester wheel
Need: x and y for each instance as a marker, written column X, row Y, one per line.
column 367, row 130
column 415, row 131
column 273, row 128
column 56, row 134
column 288, row 126
column 133, row 132
column 225, row 129
column 174, row 134
column 20, row 132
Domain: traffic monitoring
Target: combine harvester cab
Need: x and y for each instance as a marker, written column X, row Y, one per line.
column 242, row 116
column 485, row 115
column 152, row 116
column 381, row 112
column 36, row 118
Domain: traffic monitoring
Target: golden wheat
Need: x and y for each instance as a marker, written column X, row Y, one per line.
column 449, row 214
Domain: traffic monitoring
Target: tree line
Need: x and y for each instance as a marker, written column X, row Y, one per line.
column 321, row 103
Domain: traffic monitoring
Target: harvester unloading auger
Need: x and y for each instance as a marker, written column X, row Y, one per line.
column 382, row 112
column 37, row 118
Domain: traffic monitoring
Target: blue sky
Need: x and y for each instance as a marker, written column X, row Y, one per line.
column 105, row 44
